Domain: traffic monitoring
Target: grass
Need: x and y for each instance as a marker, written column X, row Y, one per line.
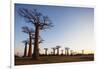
column 53, row 59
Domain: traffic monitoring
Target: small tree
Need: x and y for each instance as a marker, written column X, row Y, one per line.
column 57, row 47
column 62, row 52
column 30, row 32
column 82, row 52
column 46, row 49
column 71, row 52
column 54, row 49
column 67, row 49
column 39, row 21
column 51, row 53
column 25, row 49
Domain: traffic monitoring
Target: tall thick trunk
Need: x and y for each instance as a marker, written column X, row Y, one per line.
column 82, row 52
column 67, row 52
column 25, row 50
column 30, row 46
column 62, row 52
column 45, row 52
column 36, row 43
column 71, row 52
column 54, row 52
column 57, row 51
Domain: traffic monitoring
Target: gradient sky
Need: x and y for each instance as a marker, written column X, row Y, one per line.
column 73, row 27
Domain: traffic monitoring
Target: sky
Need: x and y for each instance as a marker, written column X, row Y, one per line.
column 73, row 27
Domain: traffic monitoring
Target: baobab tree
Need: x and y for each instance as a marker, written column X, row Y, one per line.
column 71, row 52
column 25, row 49
column 46, row 49
column 51, row 53
column 54, row 49
column 57, row 47
column 62, row 52
column 82, row 52
column 67, row 49
column 30, row 32
column 39, row 21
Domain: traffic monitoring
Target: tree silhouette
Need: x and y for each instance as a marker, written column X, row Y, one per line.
column 67, row 49
column 39, row 21
column 71, row 52
column 51, row 53
column 25, row 49
column 82, row 52
column 30, row 32
column 54, row 49
column 62, row 52
column 57, row 47
column 46, row 49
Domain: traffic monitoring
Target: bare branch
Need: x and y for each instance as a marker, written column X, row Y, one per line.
column 27, row 14
column 25, row 41
column 36, row 18
column 25, row 29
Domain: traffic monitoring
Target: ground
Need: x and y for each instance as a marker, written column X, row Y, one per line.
column 53, row 59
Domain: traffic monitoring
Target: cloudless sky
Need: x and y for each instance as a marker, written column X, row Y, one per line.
column 73, row 27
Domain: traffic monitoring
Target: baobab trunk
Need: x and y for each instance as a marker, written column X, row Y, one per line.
column 58, row 51
column 30, row 46
column 53, row 51
column 67, row 52
column 36, row 43
column 82, row 52
column 61, row 52
column 45, row 52
column 71, row 51
column 25, row 50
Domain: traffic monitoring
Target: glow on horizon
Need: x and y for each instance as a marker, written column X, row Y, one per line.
column 73, row 28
